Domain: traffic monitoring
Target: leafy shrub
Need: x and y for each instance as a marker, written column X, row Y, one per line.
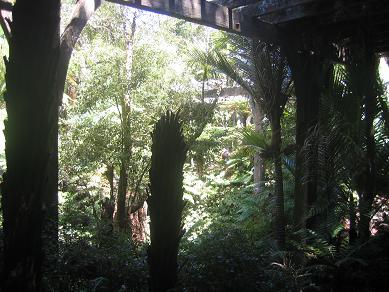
column 108, row 264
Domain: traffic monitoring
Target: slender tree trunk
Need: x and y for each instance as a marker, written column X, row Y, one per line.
column 110, row 176
column 32, row 107
column 121, row 212
column 352, row 215
column 370, row 68
column 279, row 220
column 121, row 209
column 259, row 170
column 108, row 204
column 122, row 221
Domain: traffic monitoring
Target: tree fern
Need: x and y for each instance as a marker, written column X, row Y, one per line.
column 166, row 203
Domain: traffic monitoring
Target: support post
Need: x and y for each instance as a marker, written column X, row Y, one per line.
column 35, row 77
column 30, row 129
column 362, row 63
column 307, row 68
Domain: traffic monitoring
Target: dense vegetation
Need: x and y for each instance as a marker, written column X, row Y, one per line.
column 256, row 208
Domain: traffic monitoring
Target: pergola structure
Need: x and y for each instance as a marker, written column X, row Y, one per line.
column 312, row 34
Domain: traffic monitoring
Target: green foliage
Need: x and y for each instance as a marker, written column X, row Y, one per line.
column 221, row 260
column 98, row 264
column 259, row 142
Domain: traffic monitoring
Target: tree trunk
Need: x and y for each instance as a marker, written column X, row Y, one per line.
column 259, row 170
column 352, row 231
column 35, row 78
column 110, row 176
column 121, row 212
column 138, row 222
column 362, row 64
column 125, row 120
column 50, row 236
column 279, row 220
column 108, row 205
column 30, row 131
column 369, row 67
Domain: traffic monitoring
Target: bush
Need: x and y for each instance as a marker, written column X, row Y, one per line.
column 88, row 265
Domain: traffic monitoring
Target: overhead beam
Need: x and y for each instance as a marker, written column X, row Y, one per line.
column 198, row 11
column 209, row 14
column 5, row 5
column 234, row 3
column 297, row 12
column 264, row 8
column 289, row 10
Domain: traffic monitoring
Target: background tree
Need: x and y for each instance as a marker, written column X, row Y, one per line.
column 262, row 70
column 240, row 55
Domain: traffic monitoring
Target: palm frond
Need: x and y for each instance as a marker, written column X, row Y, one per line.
column 256, row 140
column 218, row 60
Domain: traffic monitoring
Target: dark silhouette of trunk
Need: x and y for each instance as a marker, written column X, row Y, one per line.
column 368, row 64
column 362, row 65
column 30, row 131
column 366, row 200
column 121, row 212
column 108, row 205
column 307, row 72
column 50, row 236
column 35, row 78
column 279, row 220
column 352, row 215
column 166, row 203
column 259, row 171
column 110, row 174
